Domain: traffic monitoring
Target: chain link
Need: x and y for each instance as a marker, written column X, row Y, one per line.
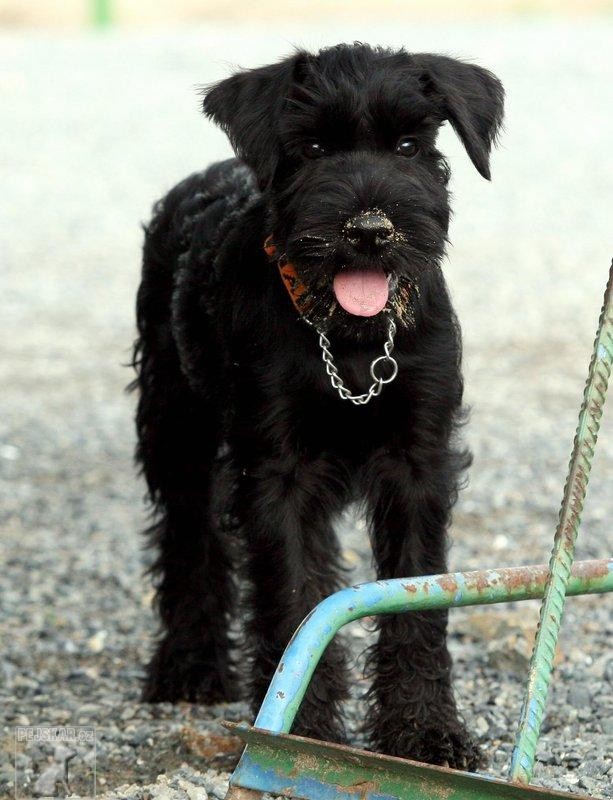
column 379, row 383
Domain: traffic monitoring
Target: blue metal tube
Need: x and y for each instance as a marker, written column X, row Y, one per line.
column 308, row 644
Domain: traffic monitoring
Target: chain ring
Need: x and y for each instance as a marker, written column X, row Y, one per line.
column 375, row 388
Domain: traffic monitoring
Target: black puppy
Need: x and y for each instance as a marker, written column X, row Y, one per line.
column 324, row 237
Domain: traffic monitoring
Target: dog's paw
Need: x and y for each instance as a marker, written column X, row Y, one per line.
column 205, row 689
column 172, row 677
column 453, row 748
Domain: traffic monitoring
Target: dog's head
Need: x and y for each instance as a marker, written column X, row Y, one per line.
column 343, row 145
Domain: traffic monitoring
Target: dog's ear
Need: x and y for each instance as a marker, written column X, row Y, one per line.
column 247, row 107
column 470, row 97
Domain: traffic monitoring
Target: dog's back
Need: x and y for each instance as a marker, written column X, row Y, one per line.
column 181, row 241
column 192, row 219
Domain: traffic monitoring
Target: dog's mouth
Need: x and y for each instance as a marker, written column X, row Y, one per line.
column 333, row 288
column 362, row 292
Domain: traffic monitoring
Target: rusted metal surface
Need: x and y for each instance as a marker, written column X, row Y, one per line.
column 240, row 793
column 294, row 766
column 268, row 765
column 216, row 750
column 308, row 644
column 563, row 553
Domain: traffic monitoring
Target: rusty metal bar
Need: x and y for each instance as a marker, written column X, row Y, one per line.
column 563, row 553
column 276, row 762
column 307, row 645
column 294, row 766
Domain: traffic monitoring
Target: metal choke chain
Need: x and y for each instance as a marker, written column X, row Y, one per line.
column 378, row 382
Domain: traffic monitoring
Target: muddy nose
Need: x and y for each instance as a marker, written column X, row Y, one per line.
column 368, row 230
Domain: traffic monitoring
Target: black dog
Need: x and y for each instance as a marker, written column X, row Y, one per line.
column 335, row 214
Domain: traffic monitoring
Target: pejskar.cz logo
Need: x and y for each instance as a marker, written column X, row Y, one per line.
column 55, row 761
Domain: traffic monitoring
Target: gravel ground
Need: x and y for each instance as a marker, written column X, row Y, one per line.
column 92, row 130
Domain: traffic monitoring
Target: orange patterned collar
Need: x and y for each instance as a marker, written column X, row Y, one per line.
column 295, row 288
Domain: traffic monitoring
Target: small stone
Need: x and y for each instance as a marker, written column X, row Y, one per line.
column 606, row 723
column 47, row 782
column 95, row 643
column 196, row 793
column 572, row 759
column 23, row 682
column 511, row 654
column 545, row 757
column 84, row 675
column 602, row 667
column 90, row 710
column 9, row 452
column 595, row 768
column 481, row 726
column 215, row 785
column 139, row 736
column 579, row 697
column 497, row 731
column 500, row 542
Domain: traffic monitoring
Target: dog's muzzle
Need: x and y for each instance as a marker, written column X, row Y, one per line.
column 369, row 230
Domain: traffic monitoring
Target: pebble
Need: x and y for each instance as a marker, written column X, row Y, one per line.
column 96, row 642
column 596, row 768
column 546, row 757
column 579, row 697
column 606, row 723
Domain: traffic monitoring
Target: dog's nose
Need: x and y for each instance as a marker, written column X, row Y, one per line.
column 369, row 230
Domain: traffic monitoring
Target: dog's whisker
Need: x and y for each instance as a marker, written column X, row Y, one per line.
column 311, row 236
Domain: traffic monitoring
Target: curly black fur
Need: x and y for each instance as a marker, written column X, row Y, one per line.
column 228, row 372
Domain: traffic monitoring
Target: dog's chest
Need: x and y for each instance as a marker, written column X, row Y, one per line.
column 293, row 389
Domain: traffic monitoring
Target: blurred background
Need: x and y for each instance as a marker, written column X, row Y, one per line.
column 99, row 117
column 74, row 13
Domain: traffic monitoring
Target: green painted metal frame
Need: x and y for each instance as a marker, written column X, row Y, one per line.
column 272, row 761
column 400, row 595
column 277, row 762
column 294, row 766
column 563, row 553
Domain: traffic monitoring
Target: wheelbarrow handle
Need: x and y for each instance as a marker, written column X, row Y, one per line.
column 305, row 649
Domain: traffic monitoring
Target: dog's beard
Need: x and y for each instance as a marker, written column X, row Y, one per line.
column 318, row 259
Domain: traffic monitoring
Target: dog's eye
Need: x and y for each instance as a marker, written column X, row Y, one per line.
column 407, row 146
column 315, row 150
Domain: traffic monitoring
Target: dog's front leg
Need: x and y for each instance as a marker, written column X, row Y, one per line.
column 292, row 563
column 412, row 709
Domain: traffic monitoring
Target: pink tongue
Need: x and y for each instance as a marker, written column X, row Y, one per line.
column 360, row 292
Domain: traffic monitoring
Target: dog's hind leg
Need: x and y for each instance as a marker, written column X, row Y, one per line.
column 412, row 708
column 194, row 591
column 292, row 563
column 179, row 433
